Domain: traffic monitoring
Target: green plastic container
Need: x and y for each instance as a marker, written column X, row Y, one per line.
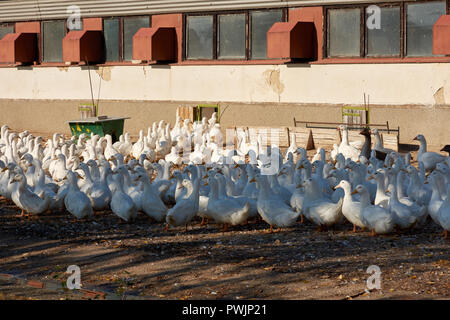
column 111, row 126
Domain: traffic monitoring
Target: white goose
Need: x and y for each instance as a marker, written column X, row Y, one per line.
column 429, row 159
column 436, row 198
column 185, row 209
column 351, row 209
column 152, row 204
column 345, row 148
column 443, row 215
column 121, row 203
column 225, row 211
column 76, row 202
column 273, row 210
column 26, row 200
column 319, row 209
column 378, row 219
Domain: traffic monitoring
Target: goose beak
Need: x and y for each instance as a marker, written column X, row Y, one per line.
column 4, row 169
column 415, row 138
column 253, row 180
column 354, row 192
column 171, row 177
column 79, row 177
column 299, row 186
column 301, row 167
column 236, row 166
column 426, row 182
column 205, row 184
column 370, row 178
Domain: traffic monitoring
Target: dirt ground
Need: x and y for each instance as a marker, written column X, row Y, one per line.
column 142, row 259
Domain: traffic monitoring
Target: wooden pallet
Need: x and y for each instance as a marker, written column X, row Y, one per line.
column 309, row 138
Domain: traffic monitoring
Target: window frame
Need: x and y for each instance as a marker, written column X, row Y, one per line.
column 41, row 42
column 402, row 5
column 400, row 39
column 361, row 30
column 122, row 32
column 405, row 24
column 248, row 35
column 120, row 35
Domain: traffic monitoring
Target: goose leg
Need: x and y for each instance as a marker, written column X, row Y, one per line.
column 354, row 228
column 270, row 229
column 166, row 228
column 372, row 233
column 22, row 213
column 186, row 228
column 445, row 234
column 301, row 218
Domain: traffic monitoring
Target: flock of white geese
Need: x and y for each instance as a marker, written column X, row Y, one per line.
column 225, row 186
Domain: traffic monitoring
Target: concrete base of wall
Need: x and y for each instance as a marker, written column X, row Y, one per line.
column 48, row 116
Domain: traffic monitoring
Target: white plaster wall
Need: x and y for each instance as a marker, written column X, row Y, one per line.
column 391, row 84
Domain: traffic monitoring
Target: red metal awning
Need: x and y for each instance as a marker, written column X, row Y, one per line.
column 291, row 40
column 83, row 45
column 155, row 44
column 18, row 48
column 441, row 35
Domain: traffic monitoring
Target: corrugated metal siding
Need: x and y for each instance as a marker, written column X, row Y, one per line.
column 25, row 10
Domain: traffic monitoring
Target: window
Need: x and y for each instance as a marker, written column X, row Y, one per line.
column 261, row 22
column 5, row 29
column 131, row 25
column 111, row 31
column 232, row 35
column 420, row 18
column 200, row 37
column 118, row 33
column 53, row 33
column 344, row 32
column 404, row 29
column 385, row 41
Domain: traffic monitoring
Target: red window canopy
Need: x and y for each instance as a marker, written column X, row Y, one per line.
column 441, row 35
column 18, row 48
column 83, row 45
column 155, row 44
column 294, row 40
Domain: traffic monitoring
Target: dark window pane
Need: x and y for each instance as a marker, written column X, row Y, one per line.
column 4, row 30
column 111, row 33
column 200, row 37
column 261, row 22
column 53, row 34
column 386, row 40
column 231, row 36
column 420, row 18
column 344, row 33
column 130, row 27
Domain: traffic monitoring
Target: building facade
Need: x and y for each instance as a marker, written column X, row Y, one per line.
column 264, row 62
